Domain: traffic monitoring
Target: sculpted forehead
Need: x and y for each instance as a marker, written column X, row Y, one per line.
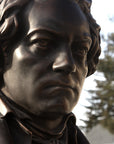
column 55, row 13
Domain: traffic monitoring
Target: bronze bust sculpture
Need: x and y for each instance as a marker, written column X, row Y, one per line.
column 47, row 49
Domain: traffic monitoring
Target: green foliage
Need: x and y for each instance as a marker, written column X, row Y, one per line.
column 101, row 109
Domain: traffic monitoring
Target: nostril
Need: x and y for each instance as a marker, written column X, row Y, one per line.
column 64, row 63
column 64, row 67
column 58, row 70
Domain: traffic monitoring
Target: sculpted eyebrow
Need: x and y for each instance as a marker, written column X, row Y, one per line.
column 38, row 34
column 84, row 40
column 48, row 32
column 88, row 40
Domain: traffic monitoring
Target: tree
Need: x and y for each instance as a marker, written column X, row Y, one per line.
column 101, row 109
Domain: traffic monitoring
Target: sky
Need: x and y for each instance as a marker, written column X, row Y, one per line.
column 102, row 11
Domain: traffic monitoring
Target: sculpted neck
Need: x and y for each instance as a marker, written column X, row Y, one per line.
column 51, row 126
column 48, row 122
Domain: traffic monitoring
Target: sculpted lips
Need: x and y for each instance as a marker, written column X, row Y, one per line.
column 58, row 85
column 53, row 85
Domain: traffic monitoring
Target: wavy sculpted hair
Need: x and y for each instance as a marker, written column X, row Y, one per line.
column 11, row 24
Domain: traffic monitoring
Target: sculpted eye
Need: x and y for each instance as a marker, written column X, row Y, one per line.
column 79, row 50
column 41, row 43
column 83, row 51
column 37, row 46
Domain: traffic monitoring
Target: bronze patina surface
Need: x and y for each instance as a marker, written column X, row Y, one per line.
column 47, row 49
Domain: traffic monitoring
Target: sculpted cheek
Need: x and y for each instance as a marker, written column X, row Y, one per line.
column 22, row 58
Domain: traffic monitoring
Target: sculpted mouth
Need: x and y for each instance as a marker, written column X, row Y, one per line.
column 53, row 88
column 61, row 86
column 58, row 85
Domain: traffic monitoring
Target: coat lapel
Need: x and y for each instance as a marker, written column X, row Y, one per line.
column 19, row 135
column 5, row 137
column 12, row 133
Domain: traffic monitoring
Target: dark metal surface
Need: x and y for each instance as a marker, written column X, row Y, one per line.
column 48, row 48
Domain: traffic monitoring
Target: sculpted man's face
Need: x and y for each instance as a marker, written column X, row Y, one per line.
column 49, row 67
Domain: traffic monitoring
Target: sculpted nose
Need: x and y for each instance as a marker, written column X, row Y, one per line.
column 64, row 63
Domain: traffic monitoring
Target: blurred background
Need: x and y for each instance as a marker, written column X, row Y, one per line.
column 95, row 109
